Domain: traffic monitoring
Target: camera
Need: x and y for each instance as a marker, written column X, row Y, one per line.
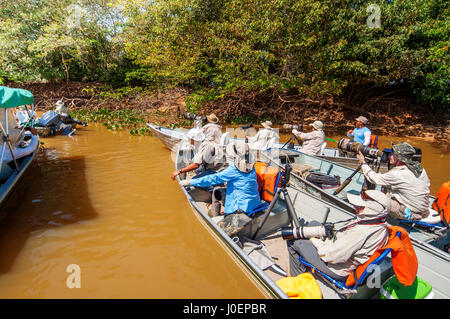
column 347, row 145
column 292, row 127
column 306, row 232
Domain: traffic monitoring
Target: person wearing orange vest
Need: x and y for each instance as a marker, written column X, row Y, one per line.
column 353, row 242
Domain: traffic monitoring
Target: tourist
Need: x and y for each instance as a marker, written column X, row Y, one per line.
column 312, row 141
column 407, row 183
column 264, row 139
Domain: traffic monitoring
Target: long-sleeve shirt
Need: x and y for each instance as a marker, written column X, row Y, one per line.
column 405, row 187
column 313, row 141
column 361, row 135
column 242, row 188
column 351, row 247
column 212, row 132
column 261, row 141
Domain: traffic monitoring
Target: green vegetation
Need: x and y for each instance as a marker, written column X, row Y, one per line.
column 115, row 120
column 216, row 47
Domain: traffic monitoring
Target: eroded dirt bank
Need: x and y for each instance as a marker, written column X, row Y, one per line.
column 389, row 112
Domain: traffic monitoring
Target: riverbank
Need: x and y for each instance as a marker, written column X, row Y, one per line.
column 391, row 113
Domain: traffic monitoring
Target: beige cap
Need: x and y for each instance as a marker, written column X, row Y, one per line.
column 362, row 119
column 195, row 134
column 377, row 204
column 267, row 124
column 318, row 125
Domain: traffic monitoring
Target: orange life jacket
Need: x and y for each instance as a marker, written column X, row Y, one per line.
column 404, row 259
column 440, row 203
column 373, row 140
column 268, row 178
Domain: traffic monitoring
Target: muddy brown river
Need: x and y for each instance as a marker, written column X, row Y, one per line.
column 103, row 201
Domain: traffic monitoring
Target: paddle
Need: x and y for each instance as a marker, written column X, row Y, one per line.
column 347, row 181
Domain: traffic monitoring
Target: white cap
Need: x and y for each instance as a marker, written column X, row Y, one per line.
column 318, row 125
column 377, row 203
column 195, row 134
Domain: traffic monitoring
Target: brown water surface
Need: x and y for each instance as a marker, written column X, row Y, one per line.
column 104, row 201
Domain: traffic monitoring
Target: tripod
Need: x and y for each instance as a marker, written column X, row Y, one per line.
column 291, row 142
column 290, row 207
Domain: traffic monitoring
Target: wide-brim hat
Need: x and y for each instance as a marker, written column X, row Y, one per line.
column 267, row 124
column 318, row 125
column 376, row 203
column 195, row 134
column 243, row 157
column 212, row 118
column 362, row 119
column 405, row 153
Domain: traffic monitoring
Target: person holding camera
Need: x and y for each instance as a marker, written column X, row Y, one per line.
column 351, row 244
column 407, row 183
column 312, row 141
column 262, row 140
column 361, row 132
column 242, row 187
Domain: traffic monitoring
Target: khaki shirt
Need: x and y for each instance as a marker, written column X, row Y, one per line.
column 212, row 132
column 262, row 139
column 210, row 155
column 313, row 142
column 404, row 186
column 352, row 247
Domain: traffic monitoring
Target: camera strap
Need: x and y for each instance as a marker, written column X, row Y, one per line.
column 374, row 221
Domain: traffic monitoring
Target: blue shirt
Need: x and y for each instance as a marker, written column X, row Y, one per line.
column 242, row 188
column 358, row 134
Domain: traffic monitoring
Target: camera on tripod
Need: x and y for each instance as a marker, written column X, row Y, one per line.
column 292, row 127
column 372, row 153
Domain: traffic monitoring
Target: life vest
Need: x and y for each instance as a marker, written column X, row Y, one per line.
column 268, row 178
column 440, row 203
column 404, row 259
column 373, row 141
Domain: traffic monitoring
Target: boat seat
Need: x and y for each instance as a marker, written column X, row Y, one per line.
column 432, row 222
column 271, row 142
column 225, row 139
column 322, row 148
column 339, row 282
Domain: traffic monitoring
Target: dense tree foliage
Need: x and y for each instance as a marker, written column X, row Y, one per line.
column 217, row 46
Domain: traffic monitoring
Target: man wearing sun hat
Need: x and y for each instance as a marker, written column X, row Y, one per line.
column 262, row 140
column 361, row 132
column 312, row 141
column 407, row 183
column 353, row 241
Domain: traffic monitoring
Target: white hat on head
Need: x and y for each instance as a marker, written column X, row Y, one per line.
column 362, row 119
column 61, row 108
column 267, row 124
column 318, row 125
column 195, row 134
column 376, row 204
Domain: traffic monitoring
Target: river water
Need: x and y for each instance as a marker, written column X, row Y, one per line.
column 104, row 201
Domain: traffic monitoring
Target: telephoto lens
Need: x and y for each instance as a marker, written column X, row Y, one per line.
column 303, row 232
column 292, row 127
column 347, row 145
